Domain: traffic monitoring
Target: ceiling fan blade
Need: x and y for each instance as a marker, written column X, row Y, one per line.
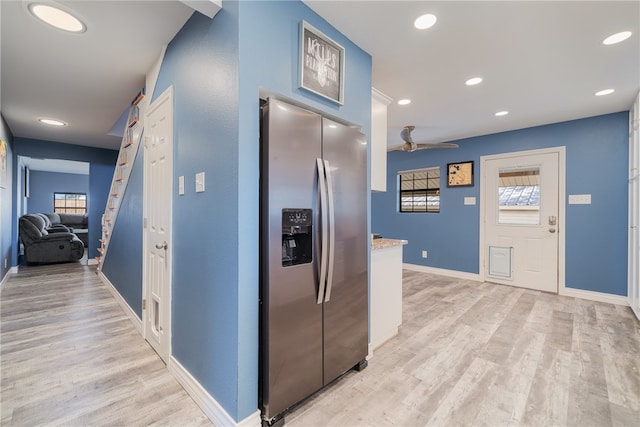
column 405, row 134
column 404, row 147
column 410, row 146
column 428, row 146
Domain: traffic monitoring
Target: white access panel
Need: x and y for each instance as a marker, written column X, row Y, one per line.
column 500, row 262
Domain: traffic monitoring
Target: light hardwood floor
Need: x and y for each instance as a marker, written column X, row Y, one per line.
column 69, row 356
column 467, row 354
column 472, row 354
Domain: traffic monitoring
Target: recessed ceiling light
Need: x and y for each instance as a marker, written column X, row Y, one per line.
column 473, row 81
column 605, row 92
column 52, row 122
column 502, row 113
column 404, row 102
column 425, row 21
column 57, row 18
column 617, row 38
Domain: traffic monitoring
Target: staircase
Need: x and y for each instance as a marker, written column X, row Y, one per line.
column 127, row 156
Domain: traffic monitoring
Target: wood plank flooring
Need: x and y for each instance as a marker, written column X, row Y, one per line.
column 468, row 354
column 69, row 356
column 479, row 354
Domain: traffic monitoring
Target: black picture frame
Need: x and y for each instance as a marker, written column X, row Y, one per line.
column 321, row 64
column 460, row 174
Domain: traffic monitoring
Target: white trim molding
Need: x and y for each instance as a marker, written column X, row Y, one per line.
column 594, row 296
column 10, row 272
column 252, row 420
column 205, row 401
column 208, row 8
column 121, row 302
column 562, row 167
column 443, row 272
column 564, row 291
column 211, row 408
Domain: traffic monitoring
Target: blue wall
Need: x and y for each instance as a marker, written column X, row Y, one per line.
column 269, row 51
column 101, row 165
column 123, row 262
column 42, row 185
column 202, row 65
column 217, row 68
column 596, row 234
column 7, row 228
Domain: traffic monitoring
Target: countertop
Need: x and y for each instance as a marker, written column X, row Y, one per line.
column 386, row 243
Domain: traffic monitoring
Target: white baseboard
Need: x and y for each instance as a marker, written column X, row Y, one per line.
column 92, row 261
column 137, row 322
column 252, row 420
column 443, row 272
column 564, row 291
column 205, row 401
column 212, row 409
column 10, row 272
column 594, row 296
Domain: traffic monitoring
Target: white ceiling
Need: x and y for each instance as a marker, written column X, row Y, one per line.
column 88, row 79
column 56, row 165
column 542, row 61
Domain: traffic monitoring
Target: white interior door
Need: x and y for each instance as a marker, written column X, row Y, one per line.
column 158, row 173
column 521, row 219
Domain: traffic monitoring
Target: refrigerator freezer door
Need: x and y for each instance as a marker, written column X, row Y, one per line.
column 291, row 346
column 346, row 313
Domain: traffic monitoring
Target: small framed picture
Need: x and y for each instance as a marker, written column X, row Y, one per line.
column 460, row 174
column 321, row 64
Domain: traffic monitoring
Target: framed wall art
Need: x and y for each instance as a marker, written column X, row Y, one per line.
column 460, row 174
column 321, row 64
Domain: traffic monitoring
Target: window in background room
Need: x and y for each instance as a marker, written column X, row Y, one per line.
column 420, row 190
column 70, row 203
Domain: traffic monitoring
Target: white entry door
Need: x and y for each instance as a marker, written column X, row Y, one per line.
column 522, row 220
column 158, row 173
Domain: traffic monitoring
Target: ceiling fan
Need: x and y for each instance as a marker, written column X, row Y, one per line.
column 410, row 146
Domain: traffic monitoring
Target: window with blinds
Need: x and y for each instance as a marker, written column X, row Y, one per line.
column 420, row 190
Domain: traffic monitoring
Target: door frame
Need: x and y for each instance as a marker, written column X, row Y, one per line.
column 561, row 152
column 167, row 301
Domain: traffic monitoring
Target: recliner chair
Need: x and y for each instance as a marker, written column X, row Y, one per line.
column 51, row 227
column 40, row 246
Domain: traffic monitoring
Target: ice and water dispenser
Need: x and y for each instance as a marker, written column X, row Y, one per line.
column 296, row 236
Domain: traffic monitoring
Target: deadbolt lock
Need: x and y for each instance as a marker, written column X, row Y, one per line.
column 552, row 220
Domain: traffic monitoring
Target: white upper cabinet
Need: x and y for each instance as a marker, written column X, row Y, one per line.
column 379, row 102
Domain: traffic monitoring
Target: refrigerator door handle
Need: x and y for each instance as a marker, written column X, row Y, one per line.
column 324, row 240
column 332, row 230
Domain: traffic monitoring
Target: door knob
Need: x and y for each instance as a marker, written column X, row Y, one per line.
column 552, row 230
column 163, row 245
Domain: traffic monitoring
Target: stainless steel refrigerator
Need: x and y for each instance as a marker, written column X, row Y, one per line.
column 314, row 271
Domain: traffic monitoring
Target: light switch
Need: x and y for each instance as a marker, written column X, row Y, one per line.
column 181, row 185
column 469, row 200
column 200, row 182
column 580, row 199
